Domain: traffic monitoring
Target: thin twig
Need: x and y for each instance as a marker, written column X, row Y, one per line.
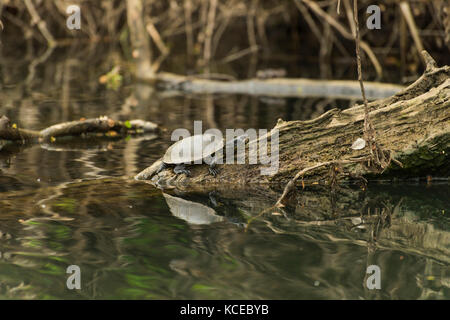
column 36, row 19
column 291, row 184
column 367, row 125
column 209, row 33
column 380, row 158
column 406, row 12
column 188, row 27
column 346, row 34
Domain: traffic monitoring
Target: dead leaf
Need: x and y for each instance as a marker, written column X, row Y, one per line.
column 358, row 144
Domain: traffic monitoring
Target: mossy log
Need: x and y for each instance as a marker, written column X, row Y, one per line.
column 413, row 126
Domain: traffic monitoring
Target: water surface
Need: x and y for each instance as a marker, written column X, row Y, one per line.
column 77, row 204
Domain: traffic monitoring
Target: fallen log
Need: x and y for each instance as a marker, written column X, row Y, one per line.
column 413, row 126
column 104, row 125
column 275, row 87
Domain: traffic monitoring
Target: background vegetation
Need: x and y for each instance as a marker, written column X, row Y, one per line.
column 204, row 35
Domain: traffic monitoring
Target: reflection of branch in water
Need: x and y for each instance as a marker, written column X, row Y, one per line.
column 58, row 191
column 61, row 148
column 86, row 159
column 36, row 62
column 371, row 221
column 93, row 283
column 130, row 154
column 383, row 220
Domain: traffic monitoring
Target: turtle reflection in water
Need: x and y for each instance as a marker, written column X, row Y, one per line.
column 192, row 212
column 196, row 149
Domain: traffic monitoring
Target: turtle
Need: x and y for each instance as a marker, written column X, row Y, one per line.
column 194, row 150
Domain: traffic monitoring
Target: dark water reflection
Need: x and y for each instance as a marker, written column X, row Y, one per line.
column 129, row 244
column 76, row 204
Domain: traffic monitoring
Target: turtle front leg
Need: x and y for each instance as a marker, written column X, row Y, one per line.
column 213, row 170
column 161, row 167
column 181, row 168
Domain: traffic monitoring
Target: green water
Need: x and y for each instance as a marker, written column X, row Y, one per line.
column 130, row 245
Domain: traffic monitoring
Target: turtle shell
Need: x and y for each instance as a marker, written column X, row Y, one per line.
column 192, row 149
